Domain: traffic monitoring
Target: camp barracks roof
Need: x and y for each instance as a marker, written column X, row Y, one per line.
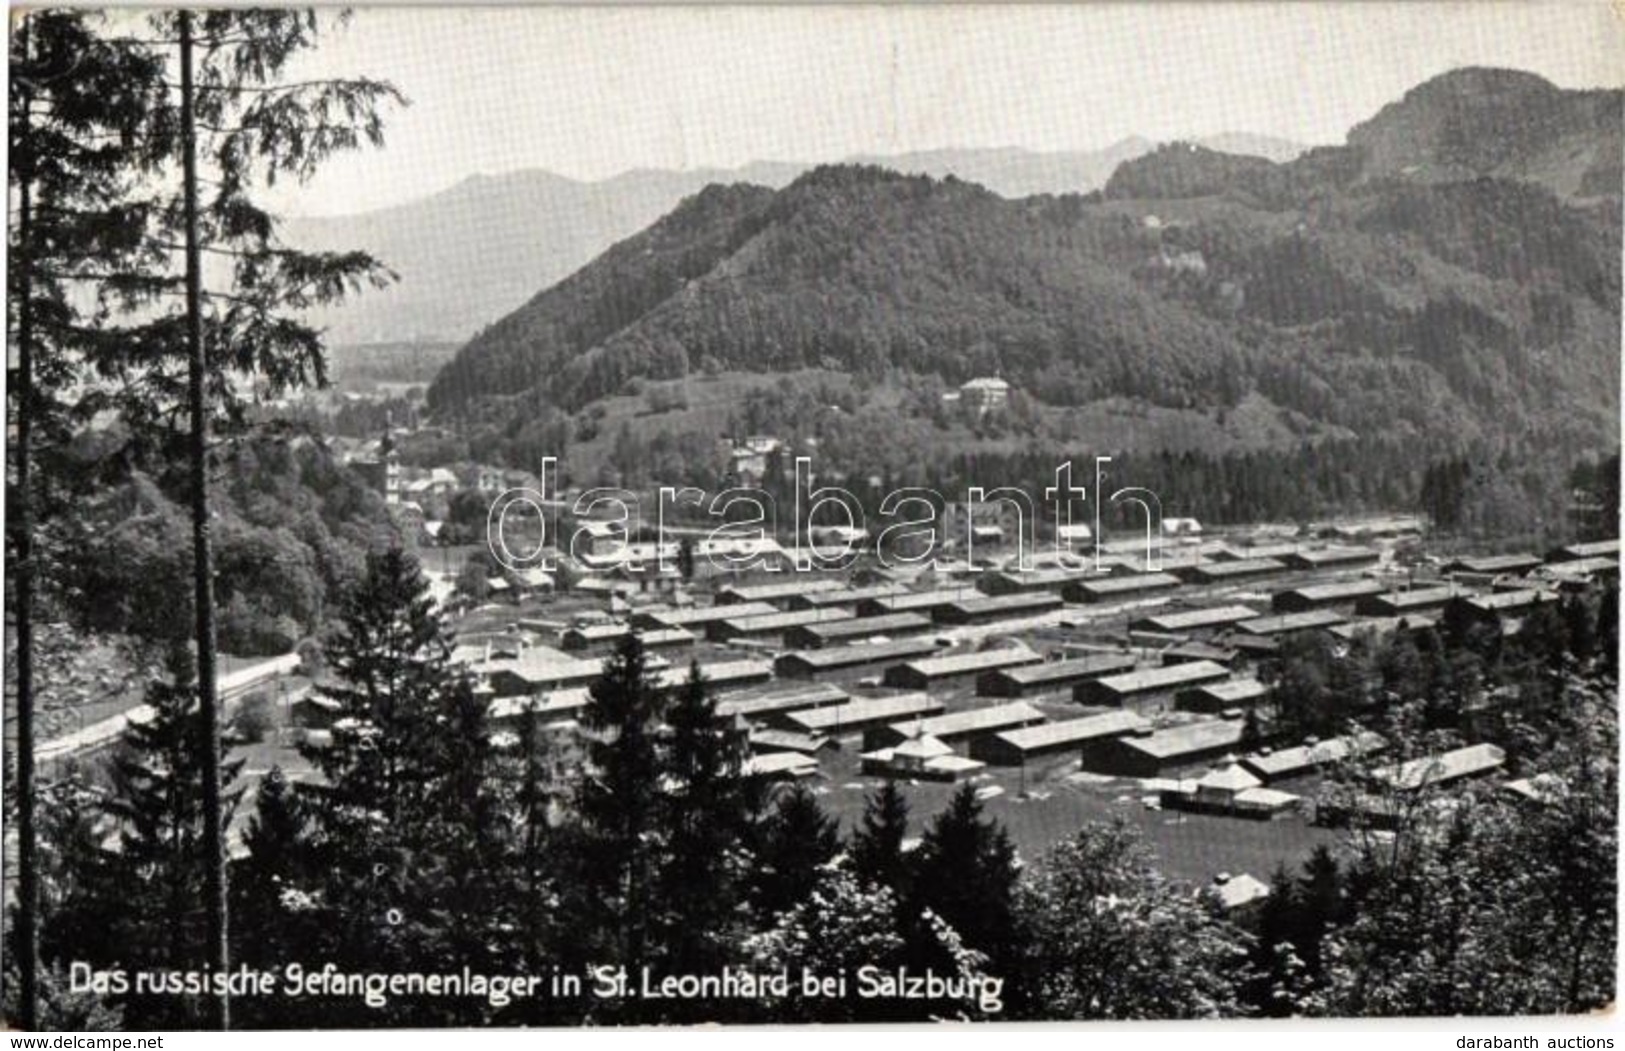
column 1052, row 735
column 719, row 674
column 1197, row 618
column 1593, row 549
column 848, row 596
column 1164, row 677
column 1438, row 769
column 1380, row 626
column 998, row 603
column 1496, row 564
column 779, row 590
column 1234, row 690
column 866, row 710
column 913, row 600
column 1307, row 757
column 962, row 663
column 1418, row 598
column 1065, row 671
column 1331, row 556
column 770, row 622
column 1584, row 567
column 861, row 653
column 1346, row 589
column 549, row 705
column 1238, row 567
column 781, row 699
column 1052, row 577
column 864, row 626
column 1191, row 737
column 1502, row 600
column 972, row 720
column 1126, row 584
column 682, row 618
column 1315, row 618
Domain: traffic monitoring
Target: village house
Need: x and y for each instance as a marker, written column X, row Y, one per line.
column 984, row 394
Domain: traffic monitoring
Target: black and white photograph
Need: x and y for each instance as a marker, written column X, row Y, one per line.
column 709, row 515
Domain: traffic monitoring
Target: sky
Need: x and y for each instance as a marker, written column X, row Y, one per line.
column 591, row 91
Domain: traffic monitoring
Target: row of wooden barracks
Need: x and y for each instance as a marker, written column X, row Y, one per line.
column 806, row 665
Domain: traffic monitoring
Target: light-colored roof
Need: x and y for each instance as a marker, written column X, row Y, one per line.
column 983, row 660
column 682, row 618
column 1241, row 890
column 1133, row 582
column 781, row 698
column 1541, row 788
column 1308, row 756
column 910, row 600
column 1234, row 690
column 1266, row 798
column 773, row 763
column 1232, row 778
column 973, row 720
column 1063, row 671
column 785, row 740
column 985, row 383
column 1336, row 554
column 774, row 622
column 865, row 710
column 1053, row 735
column 1338, row 590
column 922, row 747
column 1201, row 618
column 956, row 764
column 1442, row 768
column 1000, row 603
column 861, row 653
column 1284, row 622
column 1592, row 549
column 1187, row 739
column 781, row 589
column 1240, row 567
column 1420, row 597
column 1503, row 600
column 1164, row 677
column 718, row 673
column 848, row 627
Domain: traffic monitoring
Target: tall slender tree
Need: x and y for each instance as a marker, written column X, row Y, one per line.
column 160, row 866
column 74, row 106
column 618, row 844
column 705, row 812
column 375, row 812
column 877, row 844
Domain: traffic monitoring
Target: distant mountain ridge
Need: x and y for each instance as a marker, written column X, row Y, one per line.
column 1357, row 287
column 480, row 248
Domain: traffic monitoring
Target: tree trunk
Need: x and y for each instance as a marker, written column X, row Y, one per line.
column 214, row 840
column 23, row 579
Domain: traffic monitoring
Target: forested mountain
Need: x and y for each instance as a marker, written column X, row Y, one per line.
column 1335, row 286
column 1498, row 122
column 479, row 249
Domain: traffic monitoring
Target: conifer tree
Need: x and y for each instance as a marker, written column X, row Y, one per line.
column 617, row 837
column 75, row 103
column 377, row 811
column 159, row 867
column 965, row 872
column 796, row 842
column 271, row 896
column 877, row 844
column 705, row 812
